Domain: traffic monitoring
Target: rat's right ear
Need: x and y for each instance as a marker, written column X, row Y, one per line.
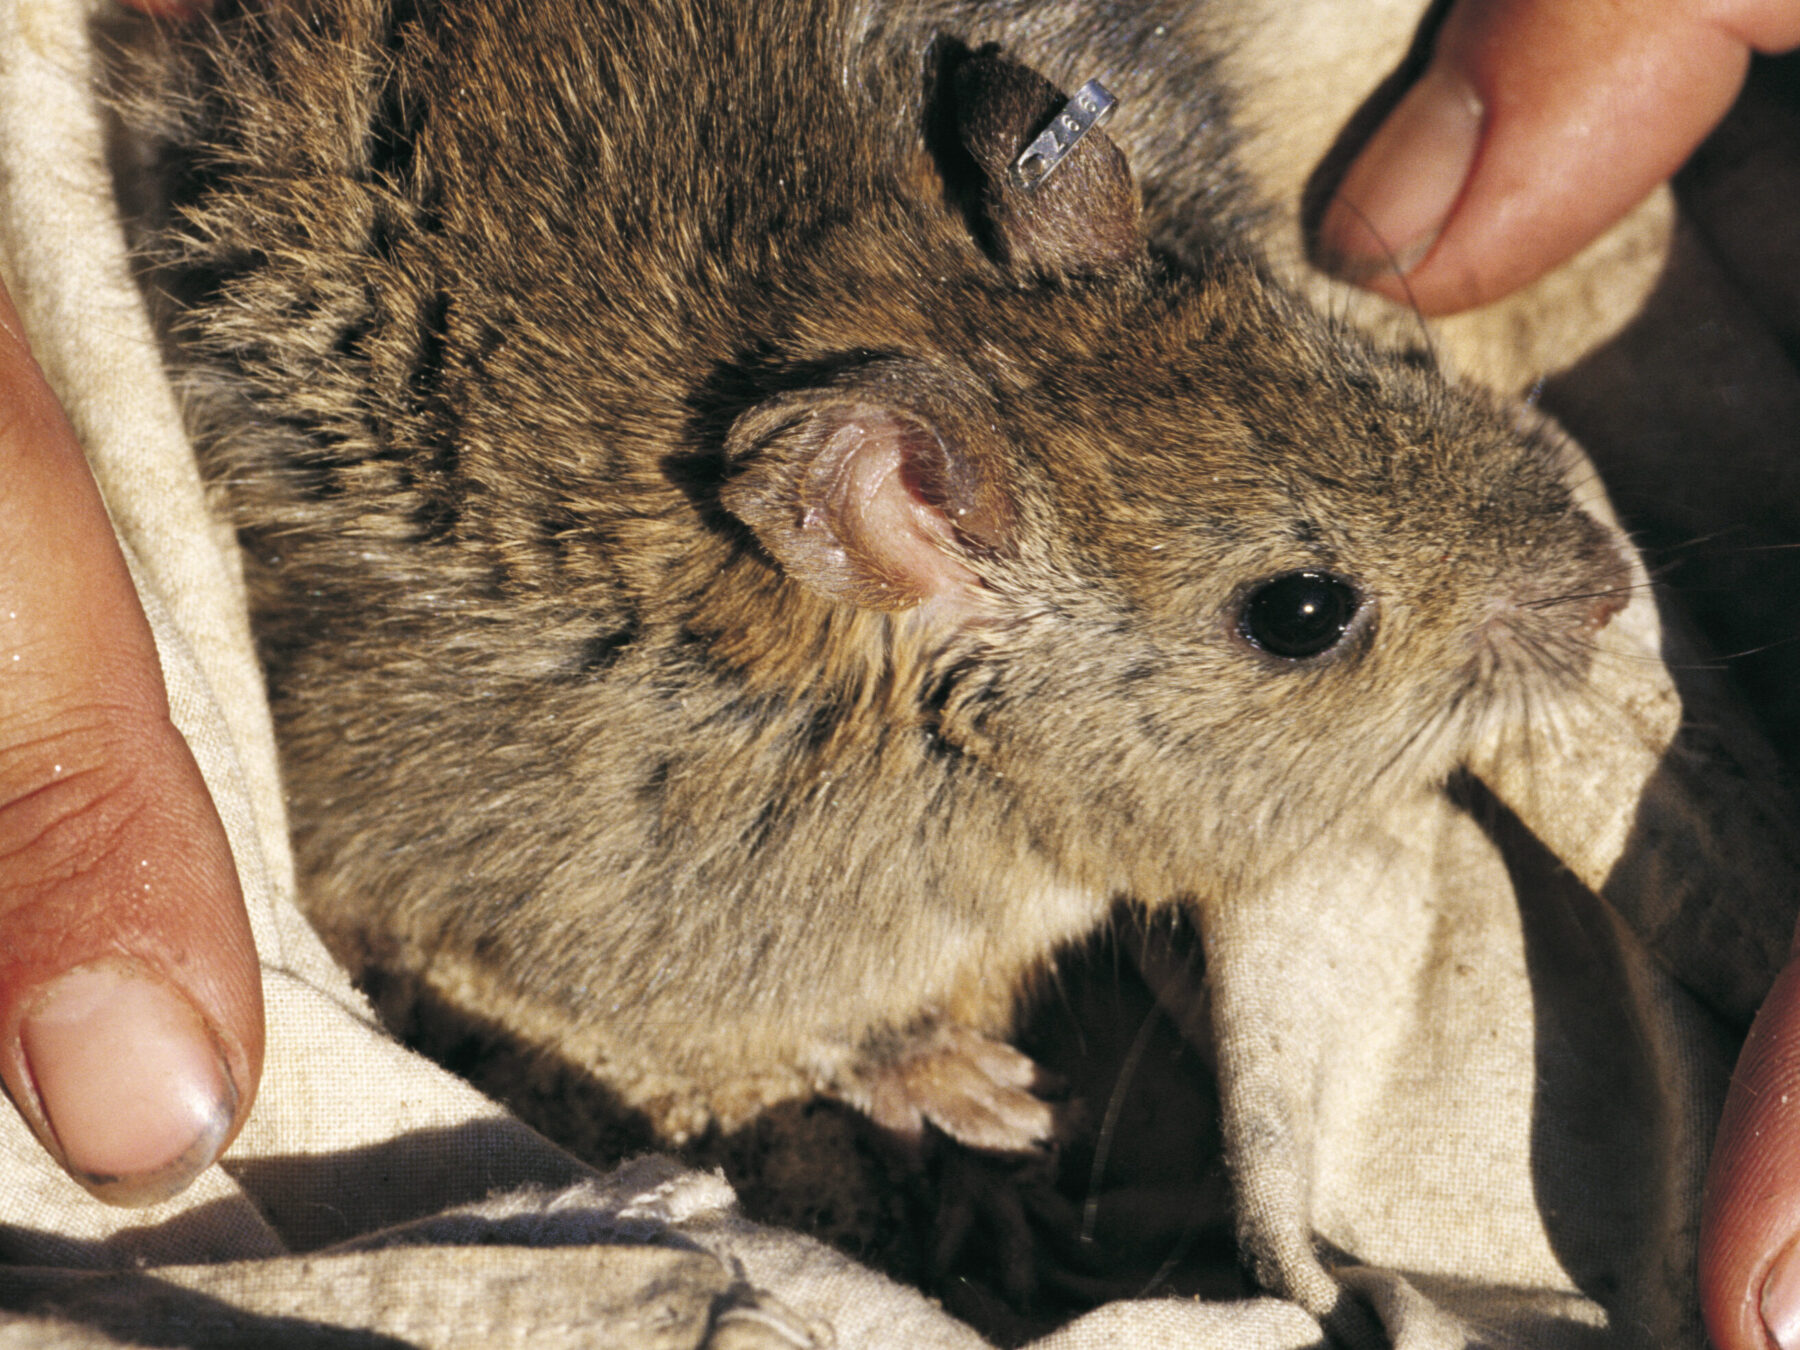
column 878, row 489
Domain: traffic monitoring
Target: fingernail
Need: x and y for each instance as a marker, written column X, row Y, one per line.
column 129, row 1079
column 1781, row 1299
column 1393, row 203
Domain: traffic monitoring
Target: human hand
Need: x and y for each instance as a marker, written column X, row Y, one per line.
column 130, row 1002
column 1535, row 126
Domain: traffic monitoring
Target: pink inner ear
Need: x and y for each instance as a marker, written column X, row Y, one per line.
column 869, row 483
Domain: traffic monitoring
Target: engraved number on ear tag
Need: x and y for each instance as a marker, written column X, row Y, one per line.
column 1090, row 108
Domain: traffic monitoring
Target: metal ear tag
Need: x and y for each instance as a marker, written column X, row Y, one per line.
column 1090, row 108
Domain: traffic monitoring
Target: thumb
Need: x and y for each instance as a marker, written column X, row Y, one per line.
column 130, row 1005
column 1535, row 126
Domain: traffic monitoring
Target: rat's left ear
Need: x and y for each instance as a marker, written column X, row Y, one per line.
column 882, row 488
column 1082, row 218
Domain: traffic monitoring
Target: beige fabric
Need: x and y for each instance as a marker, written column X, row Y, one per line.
column 1462, row 1103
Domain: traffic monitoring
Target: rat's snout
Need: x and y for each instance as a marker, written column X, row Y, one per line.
column 1607, row 577
column 1552, row 598
column 1604, row 606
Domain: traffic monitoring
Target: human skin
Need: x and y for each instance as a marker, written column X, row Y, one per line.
column 130, row 1003
column 1534, row 126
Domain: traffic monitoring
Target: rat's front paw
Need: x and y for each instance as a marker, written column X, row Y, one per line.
column 980, row 1092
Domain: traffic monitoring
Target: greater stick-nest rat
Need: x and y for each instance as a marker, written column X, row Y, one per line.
column 744, row 582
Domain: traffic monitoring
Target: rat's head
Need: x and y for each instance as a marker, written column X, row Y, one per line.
column 1187, row 568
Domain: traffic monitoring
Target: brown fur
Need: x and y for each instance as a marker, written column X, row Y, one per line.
column 523, row 338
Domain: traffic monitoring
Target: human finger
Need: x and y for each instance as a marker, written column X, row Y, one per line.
column 130, row 1002
column 1535, row 125
column 1750, row 1256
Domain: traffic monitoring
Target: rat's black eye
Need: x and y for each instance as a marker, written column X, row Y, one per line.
column 1298, row 614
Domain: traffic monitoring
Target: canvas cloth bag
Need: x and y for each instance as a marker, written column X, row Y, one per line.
column 1464, row 1099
